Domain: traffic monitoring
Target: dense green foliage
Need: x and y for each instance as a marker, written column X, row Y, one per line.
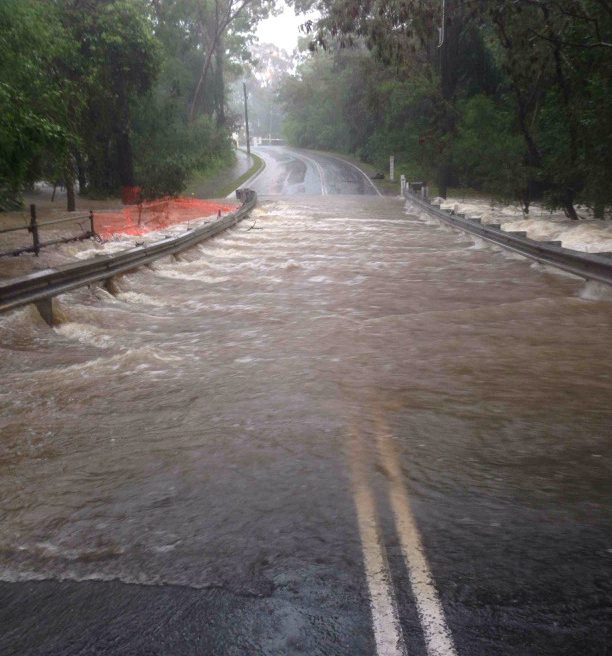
column 34, row 101
column 117, row 93
column 517, row 101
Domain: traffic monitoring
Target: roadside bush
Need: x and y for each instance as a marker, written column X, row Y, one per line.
column 488, row 152
column 168, row 150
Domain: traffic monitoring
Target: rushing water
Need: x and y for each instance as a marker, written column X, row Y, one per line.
column 190, row 427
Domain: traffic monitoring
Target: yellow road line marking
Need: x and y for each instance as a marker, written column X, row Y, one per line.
column 385, row 619
column 438, row 638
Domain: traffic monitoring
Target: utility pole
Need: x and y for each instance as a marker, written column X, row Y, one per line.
column 246, row 120
column 446, row 88
column 442, row 28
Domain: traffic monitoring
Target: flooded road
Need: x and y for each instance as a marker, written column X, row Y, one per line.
column 337, row 428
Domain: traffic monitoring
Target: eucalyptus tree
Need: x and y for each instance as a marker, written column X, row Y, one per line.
column 118, row 61
column 437, row 46
column 214, row 20
column 433, row 57
column 558, row 58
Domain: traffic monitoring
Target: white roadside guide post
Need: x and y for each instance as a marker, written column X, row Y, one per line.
column 403, row 185
column 392, row 168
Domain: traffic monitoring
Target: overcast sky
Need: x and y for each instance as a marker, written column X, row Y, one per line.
column 281, row 30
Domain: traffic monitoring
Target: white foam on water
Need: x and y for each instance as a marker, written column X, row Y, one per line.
column 65, row 569
column 321, row 280
column 48, row 549
column 222, row 253
column 260, row 265
column 596, row 291
column 480, row 244
column 545, row 268
column 144, row 359
column 106, row 248
column 86, row 334
column 221, row 307
column 176, row 274
column 414, row 211
column 357, row 280
column 21, row 319
column 587, row 235
column 140, row 299
column 512, row 255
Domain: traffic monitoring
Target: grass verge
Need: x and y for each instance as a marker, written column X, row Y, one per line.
column 258, row 165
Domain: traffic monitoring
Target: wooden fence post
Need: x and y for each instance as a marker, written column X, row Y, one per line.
column 34, row 230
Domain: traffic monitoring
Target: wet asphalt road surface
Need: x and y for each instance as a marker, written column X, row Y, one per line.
column 291, row 172
column 338, row 428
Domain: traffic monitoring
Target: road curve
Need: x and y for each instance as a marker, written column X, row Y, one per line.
column 291, row 172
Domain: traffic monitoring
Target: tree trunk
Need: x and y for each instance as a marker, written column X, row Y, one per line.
column 81, row 176
column 444, row 179
column 200, row 85
column 125, row 160
column 125, row 163
column 526, row 200
column 568, row 205
column 70, row 195
column 220, row 83
column 570, row 210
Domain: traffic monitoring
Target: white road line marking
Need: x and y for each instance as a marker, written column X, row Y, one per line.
column 438, row 638
column 365, row 175
column 385, row 619
column 318, row 167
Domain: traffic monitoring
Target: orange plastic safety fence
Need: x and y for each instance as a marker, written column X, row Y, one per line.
column 130, row 195
column 156, row 215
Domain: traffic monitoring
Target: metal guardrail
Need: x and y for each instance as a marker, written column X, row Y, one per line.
column 591, row 266
column 40, row 287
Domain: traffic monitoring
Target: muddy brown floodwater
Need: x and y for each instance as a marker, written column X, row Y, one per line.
column 193, row 429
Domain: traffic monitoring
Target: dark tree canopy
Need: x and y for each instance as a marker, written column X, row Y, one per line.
column 512, row 97
column 117, row 93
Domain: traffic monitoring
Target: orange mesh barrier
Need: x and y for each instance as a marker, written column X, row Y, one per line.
column 155, row 215
column 130, row 195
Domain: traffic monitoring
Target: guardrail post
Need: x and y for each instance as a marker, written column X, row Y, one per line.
column 91, row 223
column 34, row 230
column 45, row 309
